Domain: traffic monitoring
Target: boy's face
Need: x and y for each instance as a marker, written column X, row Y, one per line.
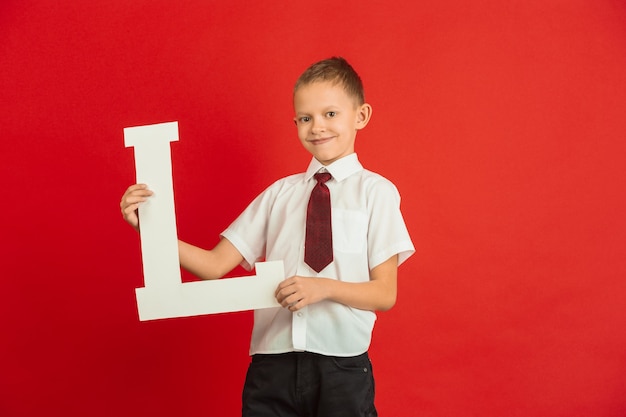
column 327, row 119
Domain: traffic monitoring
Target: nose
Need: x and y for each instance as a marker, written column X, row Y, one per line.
column 318, row 125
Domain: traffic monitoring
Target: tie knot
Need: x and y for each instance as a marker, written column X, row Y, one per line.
column 322, row 177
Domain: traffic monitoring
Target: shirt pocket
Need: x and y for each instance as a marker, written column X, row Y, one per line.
column 349, row 230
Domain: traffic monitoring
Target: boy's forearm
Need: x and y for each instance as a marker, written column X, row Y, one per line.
column 374, row 295
column 378, row 293
column 208, row 264
column 195, row 260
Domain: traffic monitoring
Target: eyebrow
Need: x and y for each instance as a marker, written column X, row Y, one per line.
column 325, row 109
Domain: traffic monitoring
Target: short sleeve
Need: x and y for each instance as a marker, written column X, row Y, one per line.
column 248, row 233
column 387, row 231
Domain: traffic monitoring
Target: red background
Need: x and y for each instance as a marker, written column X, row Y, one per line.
column 502, row 124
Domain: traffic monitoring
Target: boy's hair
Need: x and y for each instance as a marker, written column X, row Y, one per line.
column 337, row 71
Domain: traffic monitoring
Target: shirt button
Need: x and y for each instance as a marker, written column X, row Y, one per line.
column 300, row 314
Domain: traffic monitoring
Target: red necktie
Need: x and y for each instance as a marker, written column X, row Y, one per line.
column 318, row 246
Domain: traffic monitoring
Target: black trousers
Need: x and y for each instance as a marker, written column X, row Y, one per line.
column 303, row 384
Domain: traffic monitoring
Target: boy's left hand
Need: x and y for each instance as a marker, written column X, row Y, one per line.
column 297, row 292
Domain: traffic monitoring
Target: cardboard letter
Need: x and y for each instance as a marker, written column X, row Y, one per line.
column 164, row 294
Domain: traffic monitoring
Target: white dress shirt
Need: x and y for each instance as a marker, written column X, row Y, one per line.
column 367, row 228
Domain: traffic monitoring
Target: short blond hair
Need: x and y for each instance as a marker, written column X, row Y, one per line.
column 338, row 71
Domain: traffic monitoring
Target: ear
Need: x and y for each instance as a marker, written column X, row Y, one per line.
column 363, row 115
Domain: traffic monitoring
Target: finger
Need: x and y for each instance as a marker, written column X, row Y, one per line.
column 285, row 302
column 295, row 306
column 133, row 199
column 283, row 286
column 138, row 186
column 138, row 189
column 137, row 194
column 130, row 209
column 282, row 297
column 293, row 300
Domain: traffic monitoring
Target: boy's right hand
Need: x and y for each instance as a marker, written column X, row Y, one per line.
column 132, row 198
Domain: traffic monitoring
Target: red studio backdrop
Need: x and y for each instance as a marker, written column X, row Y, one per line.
column 503, row 124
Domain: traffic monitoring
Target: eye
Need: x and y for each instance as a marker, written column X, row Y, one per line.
column 331, row 114
column 304, row 119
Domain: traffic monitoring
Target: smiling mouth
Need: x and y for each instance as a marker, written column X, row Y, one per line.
column 319, row 141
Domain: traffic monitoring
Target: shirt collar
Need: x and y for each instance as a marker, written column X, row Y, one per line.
column 340, row 169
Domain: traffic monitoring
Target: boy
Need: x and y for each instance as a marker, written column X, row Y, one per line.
column 309, row 358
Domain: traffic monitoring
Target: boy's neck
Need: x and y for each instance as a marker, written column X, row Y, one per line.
column 336, row 160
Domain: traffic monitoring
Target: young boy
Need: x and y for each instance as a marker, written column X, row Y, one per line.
column 309, row 358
